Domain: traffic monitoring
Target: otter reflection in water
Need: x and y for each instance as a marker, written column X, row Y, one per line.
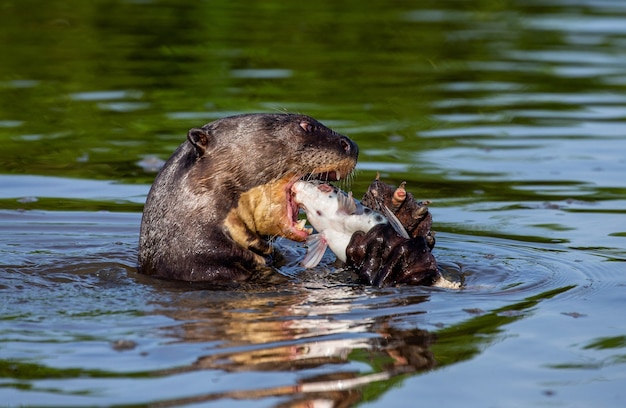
column 299, row 334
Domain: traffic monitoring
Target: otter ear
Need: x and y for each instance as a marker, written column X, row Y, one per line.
column 199, row 138
column 306, row 126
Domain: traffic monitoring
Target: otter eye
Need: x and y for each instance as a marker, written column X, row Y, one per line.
column 367, row 210
column 378, row 218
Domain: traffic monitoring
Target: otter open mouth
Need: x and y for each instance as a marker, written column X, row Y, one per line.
column 269, row 210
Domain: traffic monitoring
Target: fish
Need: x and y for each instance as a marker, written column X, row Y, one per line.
column 336, row 216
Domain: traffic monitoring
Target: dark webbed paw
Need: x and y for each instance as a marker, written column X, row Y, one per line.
column 383, row 257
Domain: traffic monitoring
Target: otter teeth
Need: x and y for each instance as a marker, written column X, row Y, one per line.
column 300, row 224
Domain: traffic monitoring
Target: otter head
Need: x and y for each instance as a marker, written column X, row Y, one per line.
column 249, row 162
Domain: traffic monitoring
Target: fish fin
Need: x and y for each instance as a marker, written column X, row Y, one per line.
column 316, row 248
column 395, row 222
column 346, row 203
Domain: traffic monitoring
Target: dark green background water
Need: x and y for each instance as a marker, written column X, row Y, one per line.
column 509, row 115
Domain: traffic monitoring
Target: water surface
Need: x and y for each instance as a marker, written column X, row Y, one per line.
column 510, row 116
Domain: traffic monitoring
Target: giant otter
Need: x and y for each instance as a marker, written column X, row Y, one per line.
column 227, row 188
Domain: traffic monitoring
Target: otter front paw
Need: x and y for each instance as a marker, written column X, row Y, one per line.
column 413, row 214
column 381, row 257
column 384, row 256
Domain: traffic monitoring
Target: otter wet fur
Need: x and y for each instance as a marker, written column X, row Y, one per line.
column 227, row 189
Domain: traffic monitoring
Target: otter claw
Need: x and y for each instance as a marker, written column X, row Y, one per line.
column 420, row 212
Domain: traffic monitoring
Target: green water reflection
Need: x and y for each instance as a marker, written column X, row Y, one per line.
column 89, row 88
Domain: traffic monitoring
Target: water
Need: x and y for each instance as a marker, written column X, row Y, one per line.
column 509, row 116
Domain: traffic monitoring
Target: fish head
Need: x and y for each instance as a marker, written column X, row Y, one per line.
column 329, row 208
column 324, row 204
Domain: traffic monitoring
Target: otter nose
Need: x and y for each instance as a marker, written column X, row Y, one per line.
column 348, row 146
